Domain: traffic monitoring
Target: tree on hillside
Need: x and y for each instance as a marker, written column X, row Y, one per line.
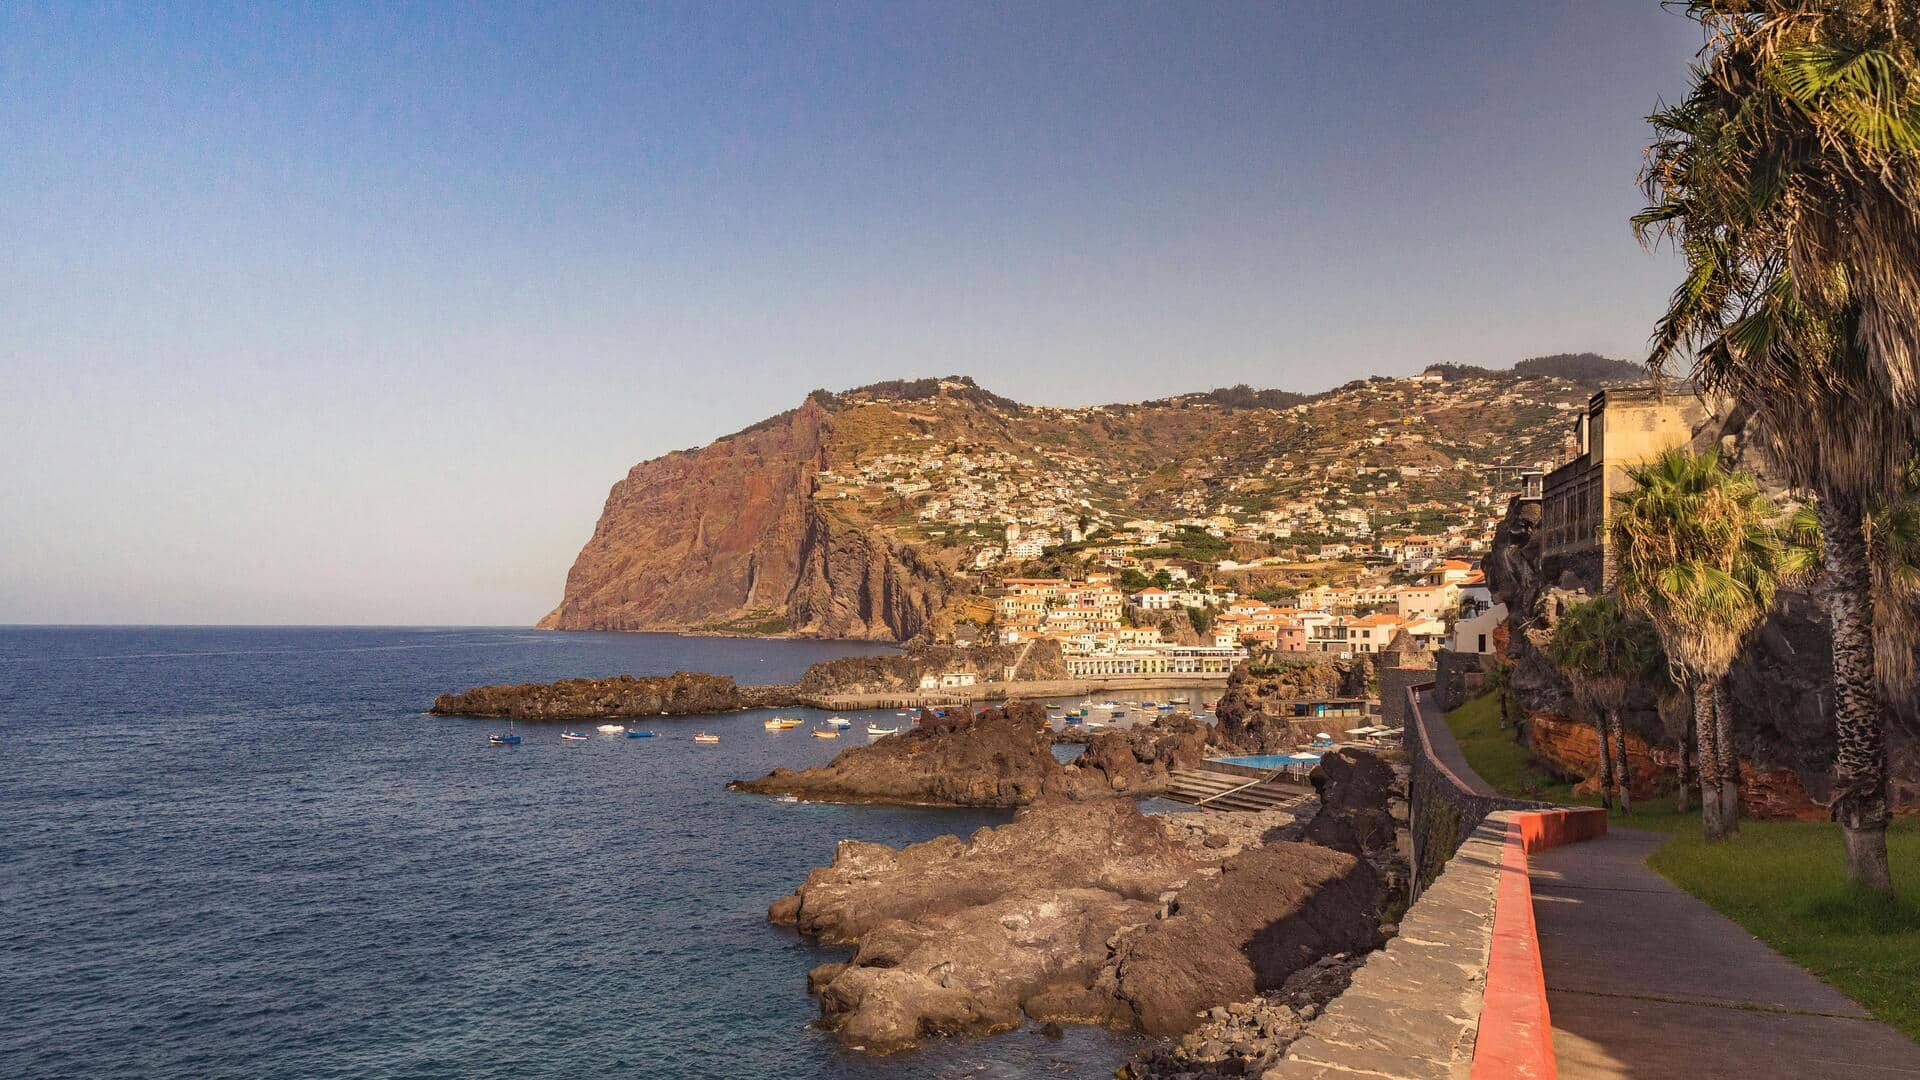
column 1605, row 652
column 1696, row 553
column 1789, row 177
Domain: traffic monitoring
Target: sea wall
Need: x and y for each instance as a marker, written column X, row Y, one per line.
column 1446, row 801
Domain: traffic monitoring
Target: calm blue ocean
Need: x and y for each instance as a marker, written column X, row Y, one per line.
column 248, row 852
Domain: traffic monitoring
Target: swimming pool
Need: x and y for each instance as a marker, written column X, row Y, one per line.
column 1270, row 761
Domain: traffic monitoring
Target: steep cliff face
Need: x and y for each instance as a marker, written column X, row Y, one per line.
column 729, row 537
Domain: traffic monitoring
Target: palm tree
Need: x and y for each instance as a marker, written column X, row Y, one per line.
column 1790, row 179
column 1605, row 652
column 1695, row 552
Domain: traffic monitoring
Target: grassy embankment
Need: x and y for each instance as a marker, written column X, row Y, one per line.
column 1784, row 881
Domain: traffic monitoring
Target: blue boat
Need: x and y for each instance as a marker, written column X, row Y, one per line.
column 1164, row 708
column 639, row 734
column 1073, row 721
column 504, row 740
column 1118, row 713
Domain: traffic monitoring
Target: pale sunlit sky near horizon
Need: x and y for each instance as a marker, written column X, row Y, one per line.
column 351, row 313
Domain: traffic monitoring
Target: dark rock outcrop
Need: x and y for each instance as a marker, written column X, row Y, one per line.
column 680, row 694
column 1074, row 911
column 1270, row 912
column 1255, row 712
column 995, row 757
column 1355, row 789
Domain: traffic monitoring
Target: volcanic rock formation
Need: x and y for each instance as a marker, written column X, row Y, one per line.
column 1074, row 911
column 729, row 537
column 996, row 757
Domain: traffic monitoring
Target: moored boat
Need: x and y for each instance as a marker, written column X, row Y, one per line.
column 575, row 736
column 839, row 722
column 612, row 729
column 639, row 734
column 781, row 723
column 876, row 729
column 504, row 740
column 704, row 737
column 825, row 733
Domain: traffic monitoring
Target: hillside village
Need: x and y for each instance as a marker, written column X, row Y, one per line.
column 1177, row 535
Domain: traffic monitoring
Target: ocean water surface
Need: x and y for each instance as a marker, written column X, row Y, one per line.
column 232, row 852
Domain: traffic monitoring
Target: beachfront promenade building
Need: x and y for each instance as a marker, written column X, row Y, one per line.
column 1157, row 660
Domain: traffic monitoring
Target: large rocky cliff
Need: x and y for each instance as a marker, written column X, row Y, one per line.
column 729, row 537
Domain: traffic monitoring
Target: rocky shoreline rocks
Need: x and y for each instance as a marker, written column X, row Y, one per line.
column 1084, row 911
column 683, row 693
column 994, row 757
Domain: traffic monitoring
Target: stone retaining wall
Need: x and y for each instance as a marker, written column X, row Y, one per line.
column 1412, row 1011
column 1443, row 807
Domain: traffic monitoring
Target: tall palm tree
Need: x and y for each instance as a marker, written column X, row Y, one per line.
column 1605, row 652
column 1790, row 178
column 1696, row 553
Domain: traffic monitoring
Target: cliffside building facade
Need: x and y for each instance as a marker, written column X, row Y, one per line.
column 1621, row 427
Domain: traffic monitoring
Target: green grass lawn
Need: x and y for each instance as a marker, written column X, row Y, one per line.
column 1784, row 881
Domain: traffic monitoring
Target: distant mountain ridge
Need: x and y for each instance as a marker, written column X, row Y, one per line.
column 861, row 513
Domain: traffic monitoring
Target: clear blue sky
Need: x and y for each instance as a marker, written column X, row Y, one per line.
column 352, row 314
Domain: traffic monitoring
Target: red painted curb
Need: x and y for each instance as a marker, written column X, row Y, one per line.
column 1515, row 1038
column 1555, row 828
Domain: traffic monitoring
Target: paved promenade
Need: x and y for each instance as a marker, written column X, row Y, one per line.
column 1645, row 981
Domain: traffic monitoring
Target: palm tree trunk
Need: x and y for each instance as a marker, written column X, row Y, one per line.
column 1621, row 772
column 1860, row 802
column 1726, row 759
column 1681, row 799
column 1606, row 758
column 1711, row 825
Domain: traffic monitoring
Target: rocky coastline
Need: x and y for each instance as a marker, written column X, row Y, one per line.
column 1089, row 911
column 994, row 757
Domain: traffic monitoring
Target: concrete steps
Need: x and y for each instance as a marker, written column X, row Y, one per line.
column 1216, row 790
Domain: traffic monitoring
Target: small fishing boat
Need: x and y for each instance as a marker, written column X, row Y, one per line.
column 876, row 729
column 1180, row 699
column 703, row 737
column 1166, row 707
column 1075, row 721
column 825, row 733
column 639, row 734
column 1091, row 724
column 612, row 729
column 504, row 740
column 839, row 722
column 781, row 723
column 575, row 736
column 1117, row 714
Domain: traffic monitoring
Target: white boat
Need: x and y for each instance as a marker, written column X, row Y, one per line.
column 1091, row 724
column 703, row 737
column 575, row 736
column 611, row 729
column 839, row 722
column 825, row 733
column 876, row 729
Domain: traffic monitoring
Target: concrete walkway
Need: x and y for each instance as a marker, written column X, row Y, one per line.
column 1446, row 749
column 1645, row 981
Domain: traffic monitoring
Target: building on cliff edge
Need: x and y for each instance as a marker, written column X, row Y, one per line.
column 1621, row 427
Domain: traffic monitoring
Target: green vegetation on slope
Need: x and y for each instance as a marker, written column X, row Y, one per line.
column 1784, row 881
column 1491, row 750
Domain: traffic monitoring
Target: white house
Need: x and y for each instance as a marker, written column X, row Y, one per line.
column 1475, row 634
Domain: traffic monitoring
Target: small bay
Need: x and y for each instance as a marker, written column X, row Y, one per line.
column 248, row 852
